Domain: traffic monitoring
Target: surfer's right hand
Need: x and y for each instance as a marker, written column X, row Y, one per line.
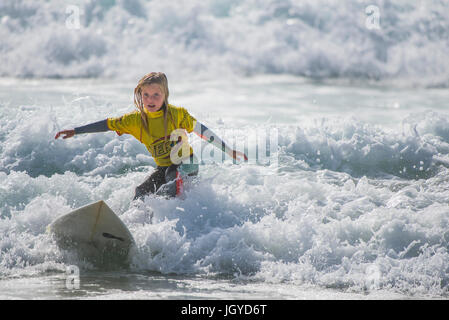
column 67, row 134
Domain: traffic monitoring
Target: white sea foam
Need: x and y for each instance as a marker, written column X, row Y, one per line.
column 318, row 39
column 351, row 205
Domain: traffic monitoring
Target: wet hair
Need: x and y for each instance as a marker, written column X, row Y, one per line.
column 160, row 79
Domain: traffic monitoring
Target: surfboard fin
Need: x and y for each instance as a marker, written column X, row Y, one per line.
column 111, row 236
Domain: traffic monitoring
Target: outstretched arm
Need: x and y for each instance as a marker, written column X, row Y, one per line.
column 206, row 134
column 100, row 126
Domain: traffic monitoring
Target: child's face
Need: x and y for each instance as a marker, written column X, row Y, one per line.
column 152, row 97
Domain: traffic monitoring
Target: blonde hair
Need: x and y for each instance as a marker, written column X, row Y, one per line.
column 160, row 79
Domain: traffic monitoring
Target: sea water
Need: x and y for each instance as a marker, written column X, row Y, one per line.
column 353, row 203
column 354, row 207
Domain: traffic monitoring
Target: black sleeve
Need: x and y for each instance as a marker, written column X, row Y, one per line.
column 100, row 126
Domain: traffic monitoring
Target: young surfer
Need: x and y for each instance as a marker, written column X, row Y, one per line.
column 161, row 127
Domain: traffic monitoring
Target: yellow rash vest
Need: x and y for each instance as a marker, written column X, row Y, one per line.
column 156, row 142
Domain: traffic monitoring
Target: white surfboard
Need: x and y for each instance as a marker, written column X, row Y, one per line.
column 96, row 233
